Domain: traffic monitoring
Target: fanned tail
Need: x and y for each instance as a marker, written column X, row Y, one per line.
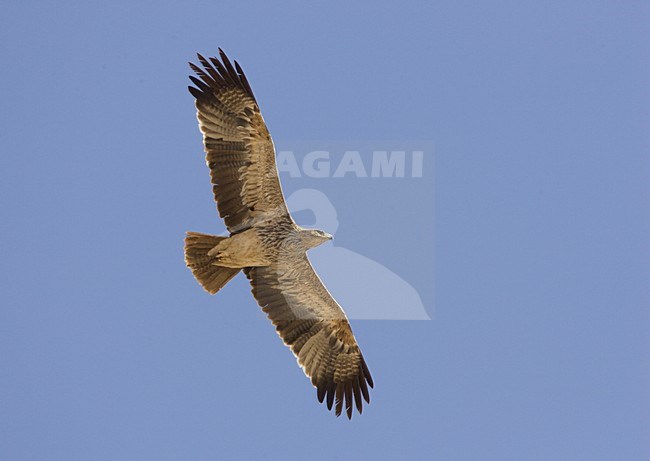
column 212, row 278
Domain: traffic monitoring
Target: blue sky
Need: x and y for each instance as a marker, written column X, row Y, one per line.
column 534, row 263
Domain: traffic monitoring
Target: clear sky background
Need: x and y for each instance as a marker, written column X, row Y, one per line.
column 538, row 348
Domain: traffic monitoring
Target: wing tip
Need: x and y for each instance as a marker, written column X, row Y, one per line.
column 221, row 73
column 344, row 397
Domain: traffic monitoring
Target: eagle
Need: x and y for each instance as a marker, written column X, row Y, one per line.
column 264, row 241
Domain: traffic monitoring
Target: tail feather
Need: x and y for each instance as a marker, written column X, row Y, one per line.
column 212, row 278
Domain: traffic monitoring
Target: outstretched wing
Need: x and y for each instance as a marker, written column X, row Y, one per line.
column 239, row 148
column 316, row 329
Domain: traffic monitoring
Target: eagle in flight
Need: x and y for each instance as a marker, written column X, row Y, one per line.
column 264, row 242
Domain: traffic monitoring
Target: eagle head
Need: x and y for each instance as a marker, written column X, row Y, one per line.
column 314, row 237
